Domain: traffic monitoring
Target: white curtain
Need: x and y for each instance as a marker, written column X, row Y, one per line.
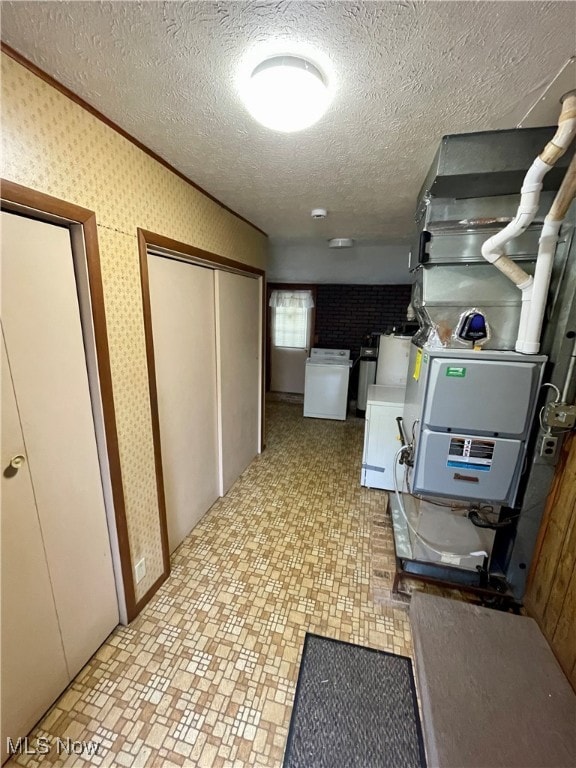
column 292, row 299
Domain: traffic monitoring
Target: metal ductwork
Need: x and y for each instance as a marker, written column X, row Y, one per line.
column 470, row 194
column 488, row 163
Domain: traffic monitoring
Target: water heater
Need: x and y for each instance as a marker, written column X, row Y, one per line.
column 393, row 354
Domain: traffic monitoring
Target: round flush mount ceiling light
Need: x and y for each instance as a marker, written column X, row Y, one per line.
column 286, row 93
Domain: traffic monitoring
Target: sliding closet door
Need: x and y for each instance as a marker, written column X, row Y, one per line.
column 34, row 671
column 45, row 346
column 183, row 330
column 238, row 308
column 47, row 365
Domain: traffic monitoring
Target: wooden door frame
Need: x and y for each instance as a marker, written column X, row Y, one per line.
column 37, row 205
column 312, row 287
column 187, row 253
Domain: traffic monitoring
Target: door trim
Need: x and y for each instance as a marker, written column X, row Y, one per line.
column 190, row 253
column 37, row 205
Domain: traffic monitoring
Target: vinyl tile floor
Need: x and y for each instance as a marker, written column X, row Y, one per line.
column 206, row 675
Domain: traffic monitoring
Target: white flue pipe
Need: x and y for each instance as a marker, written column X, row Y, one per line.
column 534, row 299
column 524, row 313
column 532, row 317
column 493, row 250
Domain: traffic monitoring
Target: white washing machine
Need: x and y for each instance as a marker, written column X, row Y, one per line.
column 326, row 383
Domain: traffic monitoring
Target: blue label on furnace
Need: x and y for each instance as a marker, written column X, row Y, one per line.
column 468, row 465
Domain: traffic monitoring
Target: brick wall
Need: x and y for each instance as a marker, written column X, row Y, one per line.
column 345, row 314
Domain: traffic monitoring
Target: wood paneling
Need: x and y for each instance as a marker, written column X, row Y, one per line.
column 551, row 592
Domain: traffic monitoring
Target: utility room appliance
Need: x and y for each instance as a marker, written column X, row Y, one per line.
column 393, row 354
column 368, row 361
column 470, row 415
column 383, row 406
column 488, row 263
column 326, row 383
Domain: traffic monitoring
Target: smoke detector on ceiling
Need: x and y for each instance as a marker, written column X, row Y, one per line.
column 341, row 242
column 319, row 213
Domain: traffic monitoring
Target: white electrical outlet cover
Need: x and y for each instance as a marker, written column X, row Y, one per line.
column 140, row 570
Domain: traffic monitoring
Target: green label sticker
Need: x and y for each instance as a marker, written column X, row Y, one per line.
column 455, row 371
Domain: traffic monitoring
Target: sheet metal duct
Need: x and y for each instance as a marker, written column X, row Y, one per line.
column 489, row 163
column 471, row 192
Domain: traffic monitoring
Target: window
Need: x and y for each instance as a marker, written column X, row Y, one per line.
column 290, row 327
column 290, row 318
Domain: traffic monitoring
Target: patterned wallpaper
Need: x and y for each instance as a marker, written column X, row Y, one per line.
column 52, row 145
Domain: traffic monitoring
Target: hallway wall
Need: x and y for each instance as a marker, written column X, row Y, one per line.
column 302, row 260
column 53, row 145
column 346, row 313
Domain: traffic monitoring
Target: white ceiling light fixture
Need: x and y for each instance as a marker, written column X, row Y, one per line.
column 286, row 93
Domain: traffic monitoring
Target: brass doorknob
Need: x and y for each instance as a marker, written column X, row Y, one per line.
column 17, row 461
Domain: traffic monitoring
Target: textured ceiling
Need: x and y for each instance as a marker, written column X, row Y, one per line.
column 404, row 74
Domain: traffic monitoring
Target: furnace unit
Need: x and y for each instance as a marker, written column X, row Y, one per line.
column 470, row 414
column 491, row 266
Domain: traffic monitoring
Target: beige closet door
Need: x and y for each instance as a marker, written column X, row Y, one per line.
column 33, row 664
column 238, row 308
column 183, row 330
column 45, row 347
